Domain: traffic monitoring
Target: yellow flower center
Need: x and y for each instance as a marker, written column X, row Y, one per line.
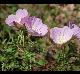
column 33, row 27
column 61, row 40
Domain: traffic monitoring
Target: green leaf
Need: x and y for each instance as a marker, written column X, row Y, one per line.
column 41, row 62
column 66, row 49
column 9, row 50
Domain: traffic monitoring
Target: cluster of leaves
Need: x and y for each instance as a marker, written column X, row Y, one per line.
column 18, row 51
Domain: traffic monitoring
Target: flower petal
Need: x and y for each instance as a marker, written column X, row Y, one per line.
column 21, row 13
column 61, row 35
column 78, row 34
column 35, row 25
column 10, row 19
column 73, row 27
column 17, row 18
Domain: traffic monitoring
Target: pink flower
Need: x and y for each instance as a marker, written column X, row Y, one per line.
column 78, row 34
column 35, row 26
column 61, row 35
column 20, row 13
column 73, row 27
